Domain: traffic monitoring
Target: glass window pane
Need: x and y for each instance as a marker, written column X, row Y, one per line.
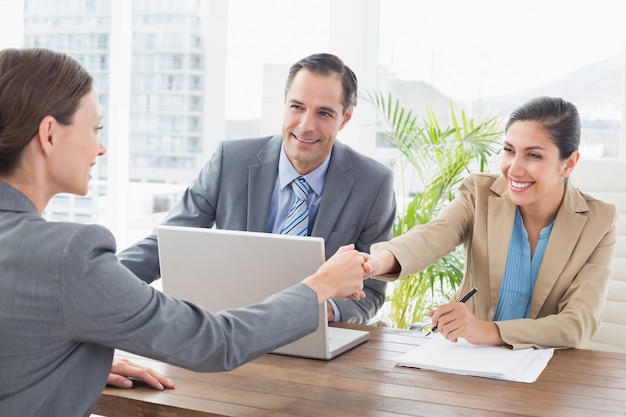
column 490, row 56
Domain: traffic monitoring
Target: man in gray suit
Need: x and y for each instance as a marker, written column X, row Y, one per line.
column 246, row 184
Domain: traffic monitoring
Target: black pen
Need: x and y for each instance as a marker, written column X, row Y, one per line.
column 464, row 299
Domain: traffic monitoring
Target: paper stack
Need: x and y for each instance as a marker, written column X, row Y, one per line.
column 439, row 354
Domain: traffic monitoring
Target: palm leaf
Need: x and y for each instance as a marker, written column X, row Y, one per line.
column 439, row 158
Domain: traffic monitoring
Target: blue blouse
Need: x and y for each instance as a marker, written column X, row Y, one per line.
column 520, row 272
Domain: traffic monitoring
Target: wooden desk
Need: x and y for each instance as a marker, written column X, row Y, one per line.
column 365, row 382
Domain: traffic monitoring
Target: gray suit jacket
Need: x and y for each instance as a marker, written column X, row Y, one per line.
column 234, row 189
column 66, row 302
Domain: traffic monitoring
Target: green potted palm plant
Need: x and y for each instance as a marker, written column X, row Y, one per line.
column 432, row 162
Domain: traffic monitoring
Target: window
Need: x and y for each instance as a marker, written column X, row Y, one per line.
column 203, row 74
column 194, row 104
column 491, row 62
column 90, row 6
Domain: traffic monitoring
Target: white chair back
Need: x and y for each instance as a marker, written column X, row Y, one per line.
column 606, row 180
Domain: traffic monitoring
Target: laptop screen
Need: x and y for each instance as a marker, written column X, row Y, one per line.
column 221, row 269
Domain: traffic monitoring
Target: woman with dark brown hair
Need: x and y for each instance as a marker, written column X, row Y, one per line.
column 66, row 302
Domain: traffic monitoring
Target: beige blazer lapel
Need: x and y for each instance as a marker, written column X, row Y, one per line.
column 568, row 226
column 500, row 226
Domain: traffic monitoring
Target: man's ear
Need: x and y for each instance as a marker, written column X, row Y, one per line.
column 346, row 118
column 47, row 134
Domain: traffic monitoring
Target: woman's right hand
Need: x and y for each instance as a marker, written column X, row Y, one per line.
column 454, row 320
column 380, row 263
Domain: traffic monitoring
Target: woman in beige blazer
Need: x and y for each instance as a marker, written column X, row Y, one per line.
column 538, row 250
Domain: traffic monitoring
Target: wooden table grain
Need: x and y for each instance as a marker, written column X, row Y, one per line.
column 365, row 382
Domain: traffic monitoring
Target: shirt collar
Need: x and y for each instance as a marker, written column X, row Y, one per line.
column 315, row 178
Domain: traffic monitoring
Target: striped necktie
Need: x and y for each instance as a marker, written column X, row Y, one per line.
column 297, row 222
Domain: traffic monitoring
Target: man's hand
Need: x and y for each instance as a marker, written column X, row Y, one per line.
column 331, row 312
column 123, row 369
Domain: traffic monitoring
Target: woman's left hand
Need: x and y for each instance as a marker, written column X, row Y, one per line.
column 123, row 370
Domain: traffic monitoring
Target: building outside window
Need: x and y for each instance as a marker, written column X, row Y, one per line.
column 207, row 70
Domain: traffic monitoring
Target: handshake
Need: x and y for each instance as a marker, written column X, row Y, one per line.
column 342, row 274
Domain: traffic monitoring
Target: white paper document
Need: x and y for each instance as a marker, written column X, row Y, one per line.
column 439, row 354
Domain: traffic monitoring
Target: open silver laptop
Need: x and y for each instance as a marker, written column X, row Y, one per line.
column 222, row 269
